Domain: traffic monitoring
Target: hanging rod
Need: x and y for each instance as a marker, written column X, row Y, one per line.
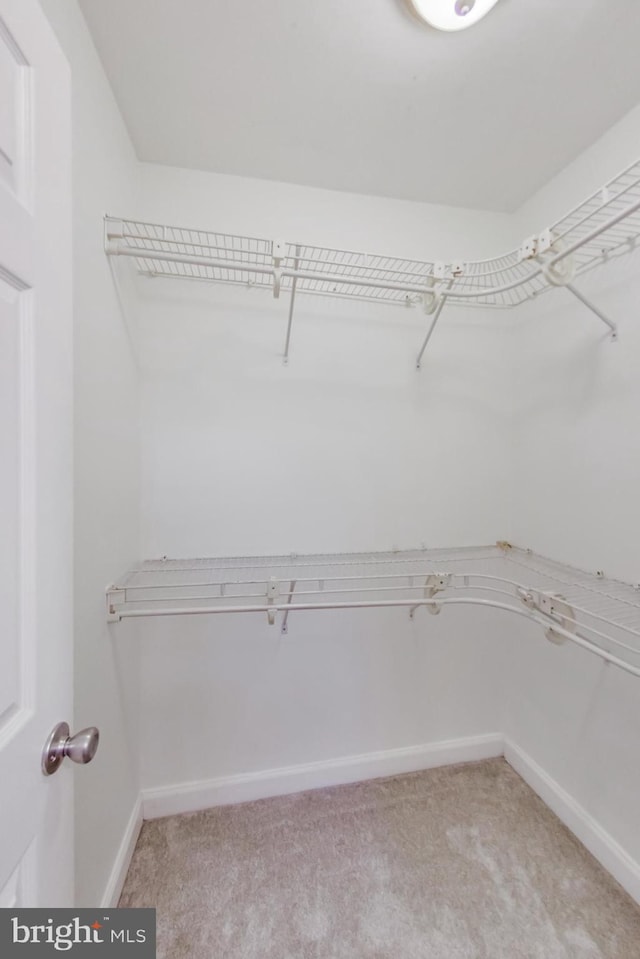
column 546, row 623
column 378, row 604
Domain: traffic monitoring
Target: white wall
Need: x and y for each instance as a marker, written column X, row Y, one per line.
column 579, row 392
column 577, row 464
column 576, row 481
column 231, row 695
column 346, row 448
column 106, row 464
column 349, row 447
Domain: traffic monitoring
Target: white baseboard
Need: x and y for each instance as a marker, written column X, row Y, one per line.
column 192, row 796
column 600, row 844
column 203, row 794
column 123, row 858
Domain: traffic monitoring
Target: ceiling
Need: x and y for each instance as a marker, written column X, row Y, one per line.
column 359, row 95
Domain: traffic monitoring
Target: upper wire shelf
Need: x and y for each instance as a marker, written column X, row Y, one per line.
column 598, row 614
column 604, row 226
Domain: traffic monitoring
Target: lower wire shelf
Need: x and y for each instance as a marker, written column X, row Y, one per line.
column 598, row 614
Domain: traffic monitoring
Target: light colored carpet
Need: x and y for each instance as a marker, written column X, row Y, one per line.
column 463, row 862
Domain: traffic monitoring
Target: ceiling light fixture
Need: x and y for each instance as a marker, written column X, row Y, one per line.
column 452, row 14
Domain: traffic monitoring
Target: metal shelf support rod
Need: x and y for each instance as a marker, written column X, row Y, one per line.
column 284, row 629
column 594, row 309
column 436, row 317
column 291, row 305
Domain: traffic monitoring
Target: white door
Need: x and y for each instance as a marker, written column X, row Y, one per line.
column 36, row 666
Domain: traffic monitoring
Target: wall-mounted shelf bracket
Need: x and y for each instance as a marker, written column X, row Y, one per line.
column 115, row 600
column 279, row 251
column 114, row 234
column 436, row 583
column 560, row 269
column 273, row 591
column 555, row 607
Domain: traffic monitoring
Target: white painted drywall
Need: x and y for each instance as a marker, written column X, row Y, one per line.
column 106, row 465
column 576, row 461
column 346, row 448
column 233, row 696
column 351, row 221
column 576, row 481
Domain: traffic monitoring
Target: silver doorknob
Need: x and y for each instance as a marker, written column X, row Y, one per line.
column 80, row 748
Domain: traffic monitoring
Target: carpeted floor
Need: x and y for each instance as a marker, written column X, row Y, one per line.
column 463, row 862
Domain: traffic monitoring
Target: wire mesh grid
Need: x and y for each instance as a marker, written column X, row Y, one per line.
column 603, row 611
column 606, row 609
column 617, row 203
column 162, row 581
column 347, row 274
column 162, row 250
column 603, row 226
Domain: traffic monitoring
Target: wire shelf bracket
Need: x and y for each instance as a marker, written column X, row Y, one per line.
column 560, row 271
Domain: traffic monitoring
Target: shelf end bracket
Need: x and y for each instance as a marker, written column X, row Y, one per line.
column 113, row 232
column 115, row 601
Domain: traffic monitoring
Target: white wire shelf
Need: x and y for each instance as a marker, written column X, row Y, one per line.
column 601, row 615
column 603, row 226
